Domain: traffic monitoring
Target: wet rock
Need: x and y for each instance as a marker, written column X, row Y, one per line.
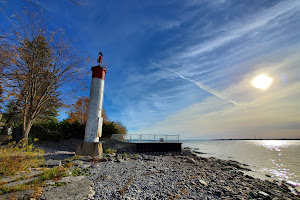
column 268, row 175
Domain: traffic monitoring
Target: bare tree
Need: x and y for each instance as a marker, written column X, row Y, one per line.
column 45, row 64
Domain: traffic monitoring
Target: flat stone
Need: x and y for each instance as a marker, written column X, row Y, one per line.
column 21, row 182
column 78, row 190
column 52, row 163
column 203, row 182
column 77, row 162
column 50, row 182
column 85, row 166
column 70, row 179
column 191, row 160
column 26, row 194
column 26, row 175
column 263, row 194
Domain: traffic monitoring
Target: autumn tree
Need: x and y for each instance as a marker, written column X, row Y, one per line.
column 46, row 64
column 78, row 111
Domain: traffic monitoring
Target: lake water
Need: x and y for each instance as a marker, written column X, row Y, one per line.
column 278, row 158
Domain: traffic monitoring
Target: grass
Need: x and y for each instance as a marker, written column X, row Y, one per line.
column 20, row 157
column 50, row 174
column 70, row 159
column 126, row 155
column 78, row 171
column 17, row 157
column 109, row 151
column 53, row 174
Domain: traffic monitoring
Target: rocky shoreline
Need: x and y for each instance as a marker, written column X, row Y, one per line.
column 140, row 176
column 180, row 177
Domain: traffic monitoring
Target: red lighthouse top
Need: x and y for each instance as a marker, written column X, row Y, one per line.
column 99, row 71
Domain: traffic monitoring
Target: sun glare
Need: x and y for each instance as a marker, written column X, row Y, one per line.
column 261, row 82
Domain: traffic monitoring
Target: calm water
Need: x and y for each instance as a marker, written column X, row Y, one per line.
column 278, row 158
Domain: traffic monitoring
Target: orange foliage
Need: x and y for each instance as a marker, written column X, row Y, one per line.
column 79, row 111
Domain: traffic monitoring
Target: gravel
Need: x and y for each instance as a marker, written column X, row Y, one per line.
column 171, row 177
column 180, row 177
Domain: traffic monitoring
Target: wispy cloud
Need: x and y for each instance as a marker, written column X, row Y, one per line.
column 224, row 76
column 203, row 87
column 238, row 29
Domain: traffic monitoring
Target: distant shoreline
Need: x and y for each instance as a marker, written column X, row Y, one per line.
column 257, row 139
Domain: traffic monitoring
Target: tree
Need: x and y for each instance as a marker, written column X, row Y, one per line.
column 79, row 111
column 120, row 127
column 45, row 63
column 109, row 128
column 7, row 55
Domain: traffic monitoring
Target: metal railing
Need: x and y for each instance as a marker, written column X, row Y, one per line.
column 146, row 138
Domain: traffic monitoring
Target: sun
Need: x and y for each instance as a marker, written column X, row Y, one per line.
column 262, row 81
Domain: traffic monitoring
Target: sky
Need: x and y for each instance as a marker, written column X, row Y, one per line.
column 185, row 67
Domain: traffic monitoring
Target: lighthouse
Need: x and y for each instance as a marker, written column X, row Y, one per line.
column 93, row 128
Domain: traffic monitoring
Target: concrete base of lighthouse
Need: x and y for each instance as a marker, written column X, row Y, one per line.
column 89, row 149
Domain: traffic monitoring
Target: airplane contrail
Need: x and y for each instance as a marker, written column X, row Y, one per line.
column 203, row 87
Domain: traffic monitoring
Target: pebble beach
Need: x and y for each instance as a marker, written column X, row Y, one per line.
column 180, row 177
column 185, row 176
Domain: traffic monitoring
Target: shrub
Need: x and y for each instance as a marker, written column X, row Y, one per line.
column 56, row 131
column 46, row 131
column 20, row 156
column 72, row 130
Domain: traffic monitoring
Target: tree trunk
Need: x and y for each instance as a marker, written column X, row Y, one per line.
column 27, row 124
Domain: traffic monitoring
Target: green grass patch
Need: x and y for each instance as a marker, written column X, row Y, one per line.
column 54, row 174
column 79, row 171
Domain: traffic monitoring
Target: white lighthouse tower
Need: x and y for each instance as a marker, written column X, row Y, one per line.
column 93, row 129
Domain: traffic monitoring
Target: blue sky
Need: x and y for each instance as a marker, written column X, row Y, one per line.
column 185, row 67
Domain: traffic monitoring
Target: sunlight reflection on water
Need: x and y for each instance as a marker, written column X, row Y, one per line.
column 278, row 158
column 279, row 168
column 273, row 144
